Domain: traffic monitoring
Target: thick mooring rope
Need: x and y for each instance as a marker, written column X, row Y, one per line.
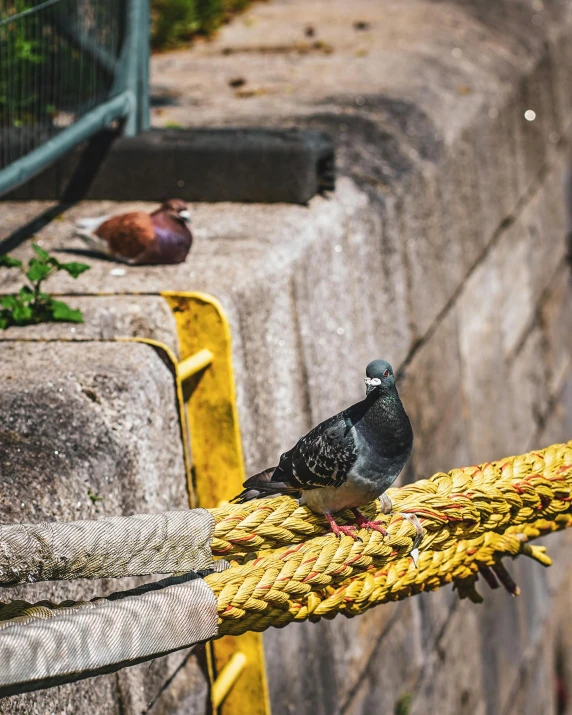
column 472, row 518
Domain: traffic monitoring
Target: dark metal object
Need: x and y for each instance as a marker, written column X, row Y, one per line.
column 68, row 68
column 247, row 165
column 72, row 68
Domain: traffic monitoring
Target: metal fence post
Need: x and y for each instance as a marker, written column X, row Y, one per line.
column 89, row 70
column 133, row 72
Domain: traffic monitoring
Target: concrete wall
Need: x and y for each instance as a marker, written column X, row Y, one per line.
column 88, row 430
column 442, row 250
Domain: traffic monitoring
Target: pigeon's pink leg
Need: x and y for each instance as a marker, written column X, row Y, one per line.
column 339, row 530
column 364, row 523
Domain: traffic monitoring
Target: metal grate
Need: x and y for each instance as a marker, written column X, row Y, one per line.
column 60, row 62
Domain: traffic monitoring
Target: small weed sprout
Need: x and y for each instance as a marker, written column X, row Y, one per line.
column 30, row 305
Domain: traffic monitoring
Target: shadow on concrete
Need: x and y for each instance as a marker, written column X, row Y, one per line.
column 90, row 161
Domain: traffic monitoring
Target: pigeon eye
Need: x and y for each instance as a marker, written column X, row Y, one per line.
column 386, row 373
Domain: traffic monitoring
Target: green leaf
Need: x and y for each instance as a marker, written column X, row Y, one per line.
column 8, row 301
column 9, row 262
column 4, row 323
column 94, row 496
column 42, row 255
column 37, row 270
column 25, row 294
column 74, row 269
column 62, row 311
column 21, row 314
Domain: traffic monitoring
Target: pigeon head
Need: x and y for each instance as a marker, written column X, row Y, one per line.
column 177, row 209
column 379, row 374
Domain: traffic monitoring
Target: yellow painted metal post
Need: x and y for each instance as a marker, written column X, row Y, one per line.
column 205, row 369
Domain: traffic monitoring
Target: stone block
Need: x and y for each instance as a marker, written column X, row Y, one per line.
column 556, row 317
column 508, row 264
column 273, row 395
column 79, row 425
column 543, row 222
column 467, row 203
column 172, row 685
column 561, row 56
column 358, row 311
column 483, row 369
column 432, row 392
column 84, row 696
column 535, row 690
column 562, row 648
column 391, row 670
column 432, row 267
column 452, row 680
column 502, row 642
column 108, row 318
column 81, row 417
column 557, row 425
column 435, row 609
column 329, row 665
column 300, row 669
column 527, row 392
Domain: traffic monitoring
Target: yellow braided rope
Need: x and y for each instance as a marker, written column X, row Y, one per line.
column 458, row 505
column 472, row 518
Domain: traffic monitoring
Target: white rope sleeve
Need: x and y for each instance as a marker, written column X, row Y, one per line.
column 138, row 545
column 46, row 647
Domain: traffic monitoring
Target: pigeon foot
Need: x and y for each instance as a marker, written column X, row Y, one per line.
column 420, row 533
column 339, row 530
column 364, row 523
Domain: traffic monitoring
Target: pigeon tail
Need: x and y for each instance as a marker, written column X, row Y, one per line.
column 90, row 224
column 261, row 485
column 91, row 239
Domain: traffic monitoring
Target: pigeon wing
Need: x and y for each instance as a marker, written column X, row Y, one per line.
column 128, row 235
column 268, row 483
column 322, row 458
column 325, row 455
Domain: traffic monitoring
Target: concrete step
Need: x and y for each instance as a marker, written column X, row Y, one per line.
column 442, row 250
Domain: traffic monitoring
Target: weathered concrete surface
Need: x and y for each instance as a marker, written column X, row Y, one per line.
column 90, row 430
column 108, row 318
column 86, row 417
column 442, row 249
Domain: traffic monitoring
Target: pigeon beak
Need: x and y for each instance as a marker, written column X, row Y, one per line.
column 185, row 215
column 371, row 383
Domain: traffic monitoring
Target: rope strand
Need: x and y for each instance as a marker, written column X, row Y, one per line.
column 472, row 517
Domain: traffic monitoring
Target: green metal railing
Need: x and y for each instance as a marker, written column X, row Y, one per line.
column 68, row 68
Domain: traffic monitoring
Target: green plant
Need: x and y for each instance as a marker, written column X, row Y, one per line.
column 94, row 496
column 20, row 45
column 403, row 705
column 44, row 68
column 30, row 305
column 174, row 22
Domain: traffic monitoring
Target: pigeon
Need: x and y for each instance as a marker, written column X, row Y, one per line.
column 141, row 238
column 348, row 460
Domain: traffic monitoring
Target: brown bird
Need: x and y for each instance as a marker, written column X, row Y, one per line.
column 160, row 237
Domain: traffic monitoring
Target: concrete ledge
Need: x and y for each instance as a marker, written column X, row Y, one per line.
column 107, row 318
column 197, row 165
column 79, row 429
column 442, row 249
